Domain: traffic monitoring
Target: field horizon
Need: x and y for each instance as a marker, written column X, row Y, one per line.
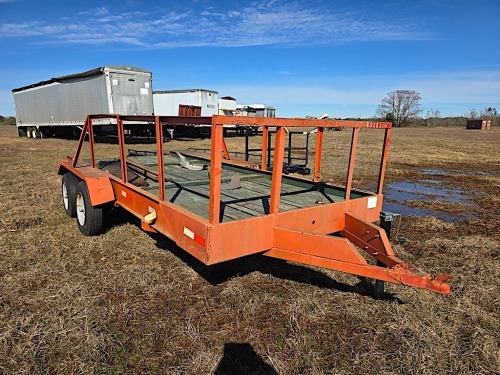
column 133, row 303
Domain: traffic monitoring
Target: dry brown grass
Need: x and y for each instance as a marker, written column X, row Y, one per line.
column 126, row 302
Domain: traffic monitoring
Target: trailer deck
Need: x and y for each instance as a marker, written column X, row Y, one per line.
column 247, row 198
column 218, row 208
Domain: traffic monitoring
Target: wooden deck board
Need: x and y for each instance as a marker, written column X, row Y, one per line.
column 190, row 190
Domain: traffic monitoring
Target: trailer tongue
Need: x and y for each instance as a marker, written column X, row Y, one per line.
column 217, row 208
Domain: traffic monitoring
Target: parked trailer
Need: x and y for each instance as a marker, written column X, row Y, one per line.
column 59, row 105
column 217, row 208
column 191, row 102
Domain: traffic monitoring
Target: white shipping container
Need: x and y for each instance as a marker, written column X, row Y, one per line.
column 167, row 103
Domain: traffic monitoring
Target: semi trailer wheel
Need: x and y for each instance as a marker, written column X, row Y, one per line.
column 89, row 219
column 69, row 184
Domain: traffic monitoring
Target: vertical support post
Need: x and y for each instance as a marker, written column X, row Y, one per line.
column 91, row 143
column 319, row 154
column 247, row 153
column 80, row 142
column 121, row 145
column 383, row 160
column 265, row 145
column 160, row 157
column 269, row 150
column 215, row 172
column 352, row 158
column 307, row 149
column 289, row 154
column 224, row 146
column 279, row 153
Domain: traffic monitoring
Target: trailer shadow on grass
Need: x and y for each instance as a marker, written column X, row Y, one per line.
column 222, row 272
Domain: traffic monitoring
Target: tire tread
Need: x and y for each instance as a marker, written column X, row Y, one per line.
column 71, row 182
column 94, row 216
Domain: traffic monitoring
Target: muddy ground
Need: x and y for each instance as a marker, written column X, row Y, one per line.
column 127, row 302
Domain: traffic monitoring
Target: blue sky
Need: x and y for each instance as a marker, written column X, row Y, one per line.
column 339, row 57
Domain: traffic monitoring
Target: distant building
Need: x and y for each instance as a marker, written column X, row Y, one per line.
column 201, row 102
column 479, row 124
column 227, row 106
column 255, row 110
column 191, row 102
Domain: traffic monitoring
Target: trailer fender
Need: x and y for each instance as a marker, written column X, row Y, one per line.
column 100, row 190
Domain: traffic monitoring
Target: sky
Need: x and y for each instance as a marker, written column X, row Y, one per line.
column 305, row 58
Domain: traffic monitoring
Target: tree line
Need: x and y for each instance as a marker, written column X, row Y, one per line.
column 403, row 106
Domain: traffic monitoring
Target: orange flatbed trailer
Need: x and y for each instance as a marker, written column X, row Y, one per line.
column 236, row 208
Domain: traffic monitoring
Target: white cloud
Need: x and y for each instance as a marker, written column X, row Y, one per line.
column 260, row 23
column 102, row 11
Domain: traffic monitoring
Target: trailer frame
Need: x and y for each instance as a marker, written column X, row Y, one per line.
column 339, row 235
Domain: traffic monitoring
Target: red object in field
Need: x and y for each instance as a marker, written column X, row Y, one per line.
column 479, row 124
column 193, row 202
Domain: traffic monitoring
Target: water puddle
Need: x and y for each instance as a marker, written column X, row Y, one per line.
column 441, row 172
column 435, row 172
column 396, row 194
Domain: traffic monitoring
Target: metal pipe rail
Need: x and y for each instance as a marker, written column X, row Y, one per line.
column 303, row 234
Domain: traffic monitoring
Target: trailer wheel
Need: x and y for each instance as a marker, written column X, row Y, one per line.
column 75, row 133
column 379, row 285
column 33, row 133
column 89, row 219
column 69, row 184
column 21, row 132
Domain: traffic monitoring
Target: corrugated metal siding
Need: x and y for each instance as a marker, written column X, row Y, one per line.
column 64, row 102
column 189, row 110
column 68, row 100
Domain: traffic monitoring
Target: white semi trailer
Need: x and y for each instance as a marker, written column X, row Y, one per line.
column 190, row 102
column 60, row 105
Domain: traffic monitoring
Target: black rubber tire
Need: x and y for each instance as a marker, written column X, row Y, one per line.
column 22, row 132
column 378, row 289
column 379, row 285
column 91, row 223
column 75, row 133
column 70, row 182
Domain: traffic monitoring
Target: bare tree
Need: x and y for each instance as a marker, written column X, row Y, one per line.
column 431, row 116
column 433, row 113
column 399, row 106
column 472, row 114
column 489, row 113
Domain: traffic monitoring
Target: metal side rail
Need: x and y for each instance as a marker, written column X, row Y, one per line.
column 340, row 253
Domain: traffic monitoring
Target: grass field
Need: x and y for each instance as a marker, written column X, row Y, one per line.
column 127, row 302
